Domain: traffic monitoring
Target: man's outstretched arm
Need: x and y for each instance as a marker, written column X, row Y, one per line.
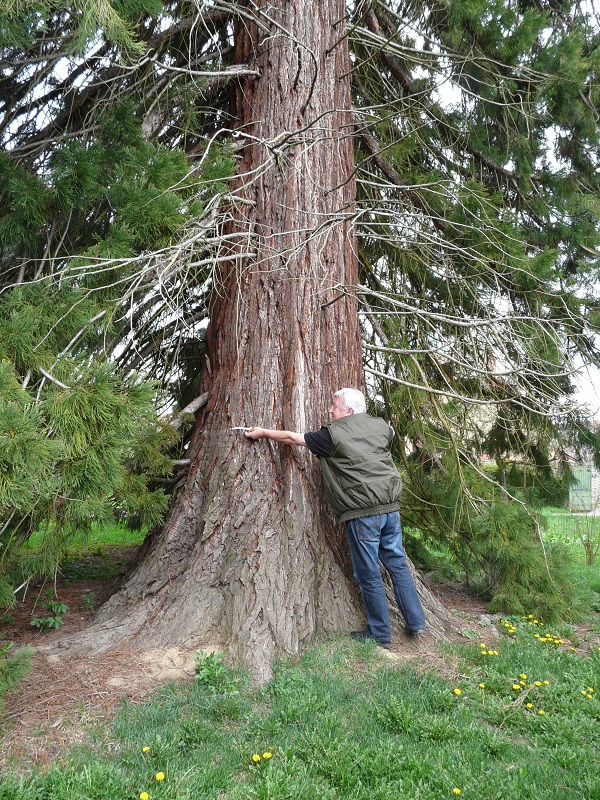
column 284, row 437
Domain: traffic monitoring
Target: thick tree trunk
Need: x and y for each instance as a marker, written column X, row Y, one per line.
column 249, row 557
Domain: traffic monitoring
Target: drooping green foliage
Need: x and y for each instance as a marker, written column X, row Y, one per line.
column 476, row 142
column 74, row 458
column 15, row 664
column 495, row 275
column 497, row 542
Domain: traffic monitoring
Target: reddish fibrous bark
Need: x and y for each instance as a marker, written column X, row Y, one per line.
column 249, row 558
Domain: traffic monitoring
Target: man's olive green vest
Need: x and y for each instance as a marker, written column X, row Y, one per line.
column 360, row 476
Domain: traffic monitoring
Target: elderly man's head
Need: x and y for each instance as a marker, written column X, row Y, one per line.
column 347, row 401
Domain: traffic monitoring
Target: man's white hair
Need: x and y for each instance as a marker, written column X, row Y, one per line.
column 353, row 399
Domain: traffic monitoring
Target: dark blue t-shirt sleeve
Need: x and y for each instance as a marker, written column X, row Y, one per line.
column 319, row 442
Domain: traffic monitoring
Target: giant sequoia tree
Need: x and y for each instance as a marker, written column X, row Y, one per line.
column 246, row 554
column 299, row 174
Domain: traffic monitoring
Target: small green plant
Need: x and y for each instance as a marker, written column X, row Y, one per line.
column 214, row 674
column 5, row 648
column 87, row 601
column 397, row 715
column 54, row 620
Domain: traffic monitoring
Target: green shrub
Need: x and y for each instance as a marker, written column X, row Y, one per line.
column 497, row 542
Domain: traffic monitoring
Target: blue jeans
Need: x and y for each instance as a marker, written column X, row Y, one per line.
column 372, row 539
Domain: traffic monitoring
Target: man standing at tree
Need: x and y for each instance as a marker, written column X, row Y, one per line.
column 363, row 487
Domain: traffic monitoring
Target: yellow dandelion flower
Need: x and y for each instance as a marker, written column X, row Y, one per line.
column 456, row 791
column 583, row 692
column 516, row 686
column 590, row 689
column 522, row 683
column 144, row 796
column 482, row 685
column 160, row 776
column 145, row 749
column 589, row 696
column 538, row 683
column 267, row 755
column 485, row 653
column 529, row 705
column 256, row 758
column 523, row 676
column 457, row 692
column 546, row 683
column 541, row 712
column 481, row 644
column 496, row 653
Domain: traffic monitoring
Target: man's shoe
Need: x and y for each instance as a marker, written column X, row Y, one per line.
column 365, row 636
column 416, row 632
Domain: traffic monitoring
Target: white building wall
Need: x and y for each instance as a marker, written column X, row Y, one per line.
column 595, row 488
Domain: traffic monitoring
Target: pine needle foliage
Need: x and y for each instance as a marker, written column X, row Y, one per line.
column 497, row 542
column 72, row 459
column 15, row 664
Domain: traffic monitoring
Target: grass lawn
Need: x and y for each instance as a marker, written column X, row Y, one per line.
column 581, row 533
column 102, row 536
column 510, row 717
column 507, row 717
